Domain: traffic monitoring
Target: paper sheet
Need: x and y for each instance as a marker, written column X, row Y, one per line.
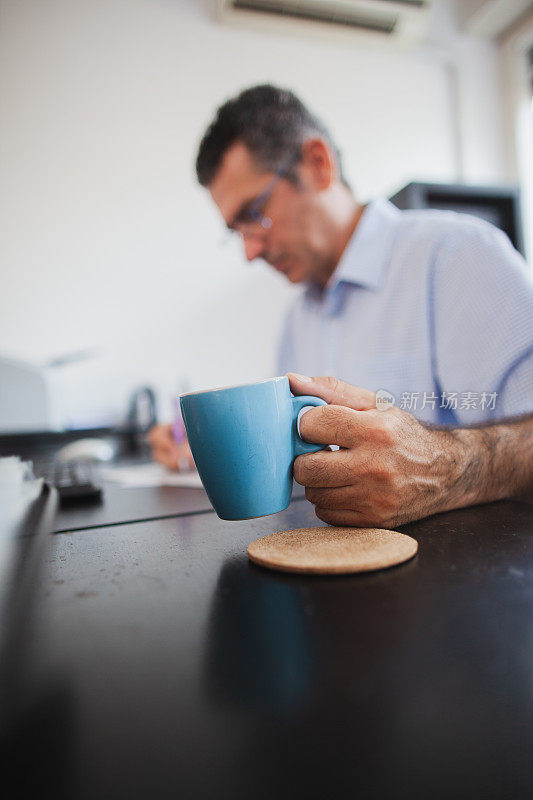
column 142, row 475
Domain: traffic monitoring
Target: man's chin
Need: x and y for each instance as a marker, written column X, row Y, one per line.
column 290, row 271
column 294, row 277
column 293, row 273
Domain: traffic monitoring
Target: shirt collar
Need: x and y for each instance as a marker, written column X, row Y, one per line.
column 367, row 253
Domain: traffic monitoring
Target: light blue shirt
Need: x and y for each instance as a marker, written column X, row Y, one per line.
column 433, row 306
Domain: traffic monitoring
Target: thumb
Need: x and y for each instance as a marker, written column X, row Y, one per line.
column 333, row 391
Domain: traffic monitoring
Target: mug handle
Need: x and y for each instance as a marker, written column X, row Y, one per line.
column 299, row 446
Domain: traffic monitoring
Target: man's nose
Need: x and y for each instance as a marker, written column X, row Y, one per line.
column 254, row 246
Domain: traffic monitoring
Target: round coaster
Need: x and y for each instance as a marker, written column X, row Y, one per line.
column 328, row 550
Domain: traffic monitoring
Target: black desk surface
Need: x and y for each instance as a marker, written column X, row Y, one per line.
column 120, row 504
column 176, row 668
column 123, row 504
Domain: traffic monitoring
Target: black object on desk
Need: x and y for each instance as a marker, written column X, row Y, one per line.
column 76, row 482
column 119, row 505
column 499, row 205
column 189, row 672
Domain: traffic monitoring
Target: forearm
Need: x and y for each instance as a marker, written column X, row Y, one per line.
column 489, row 462
column 391, row 469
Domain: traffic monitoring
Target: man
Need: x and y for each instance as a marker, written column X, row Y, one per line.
column 433, row 310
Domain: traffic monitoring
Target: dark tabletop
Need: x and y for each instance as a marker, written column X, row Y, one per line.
column 121, row 505
column 173, row 667
column 127, row 504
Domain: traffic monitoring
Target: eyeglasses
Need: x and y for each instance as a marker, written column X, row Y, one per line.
column 252, row 213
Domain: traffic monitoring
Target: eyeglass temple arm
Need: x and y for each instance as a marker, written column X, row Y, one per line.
column 282, row 172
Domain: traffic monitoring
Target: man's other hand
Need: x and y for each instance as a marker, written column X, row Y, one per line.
column 390, row 468
column 167, row 451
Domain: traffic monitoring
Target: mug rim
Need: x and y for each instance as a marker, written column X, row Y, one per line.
column 234, row 386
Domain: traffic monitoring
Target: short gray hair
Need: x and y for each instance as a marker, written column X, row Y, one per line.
column 273, row 124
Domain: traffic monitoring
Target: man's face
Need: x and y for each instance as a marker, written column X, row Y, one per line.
column 296, row 243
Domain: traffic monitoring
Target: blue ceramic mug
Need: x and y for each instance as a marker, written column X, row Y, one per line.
column 244, row 440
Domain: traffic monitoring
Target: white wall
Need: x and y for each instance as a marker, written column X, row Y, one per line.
column 516, row 45
column 106, row 240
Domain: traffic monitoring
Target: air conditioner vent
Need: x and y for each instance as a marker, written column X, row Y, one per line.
column 392, row 18
column 320, row 13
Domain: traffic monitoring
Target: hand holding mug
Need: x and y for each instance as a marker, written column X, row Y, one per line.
column 389, row 468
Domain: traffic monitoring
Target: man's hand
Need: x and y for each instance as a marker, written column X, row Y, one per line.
column 391, row 469
column 167, row 451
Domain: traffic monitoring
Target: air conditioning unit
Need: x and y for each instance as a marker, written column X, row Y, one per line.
column 490, row 17
column 386, row 19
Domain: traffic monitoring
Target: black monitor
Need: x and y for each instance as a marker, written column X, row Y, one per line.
column 498, row 205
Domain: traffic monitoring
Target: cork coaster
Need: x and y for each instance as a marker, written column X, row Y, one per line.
column 328, row 550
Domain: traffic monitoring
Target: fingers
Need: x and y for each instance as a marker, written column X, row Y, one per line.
column 179, row 457
column 166, row 451
column 325, row 468
column 331, row 425
column 336, row 497
column 339, row 506
column 166, row 458
column 353, row 519
column 161, row 436
column 333, row 391
column 351, row 505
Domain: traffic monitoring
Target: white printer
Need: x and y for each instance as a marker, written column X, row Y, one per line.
column 76, row 391
column 26, row 398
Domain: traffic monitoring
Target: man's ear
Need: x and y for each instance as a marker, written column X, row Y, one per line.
column 318, row 166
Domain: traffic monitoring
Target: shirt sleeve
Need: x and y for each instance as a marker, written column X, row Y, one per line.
column 516, row 389
column 482, row 320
